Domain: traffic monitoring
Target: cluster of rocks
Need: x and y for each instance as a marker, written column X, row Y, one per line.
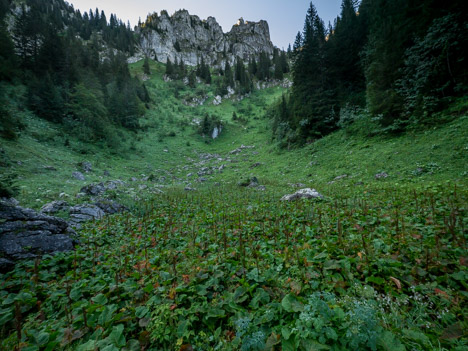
column 195, row 101
column 99, row 188
column 240, row 149
column 26, row 234
column 381, row 175
column 251, row 182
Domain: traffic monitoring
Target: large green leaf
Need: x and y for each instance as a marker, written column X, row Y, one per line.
column 90, row 345
column 288, row 345
column 141, row 311
column 290, row 303
column 311, row 345
column 5, row 316
column 390, row 342
column 116, row 336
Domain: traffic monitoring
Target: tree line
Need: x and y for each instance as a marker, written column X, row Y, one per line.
column 240, row 77
column 74, row 67
column 401, row 60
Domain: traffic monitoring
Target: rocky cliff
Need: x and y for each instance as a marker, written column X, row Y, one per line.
column 186, row 37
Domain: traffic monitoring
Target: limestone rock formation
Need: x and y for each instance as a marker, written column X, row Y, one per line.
column 188, row 38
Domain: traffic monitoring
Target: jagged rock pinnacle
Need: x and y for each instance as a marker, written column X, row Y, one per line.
column 188, row 38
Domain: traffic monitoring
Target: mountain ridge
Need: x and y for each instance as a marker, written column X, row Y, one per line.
column 186, row 37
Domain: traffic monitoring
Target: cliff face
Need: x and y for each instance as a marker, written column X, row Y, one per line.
column 188, row 38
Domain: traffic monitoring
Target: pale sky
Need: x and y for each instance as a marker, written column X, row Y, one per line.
column 285, row 17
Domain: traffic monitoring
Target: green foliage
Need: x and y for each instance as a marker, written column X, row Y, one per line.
column 433, row 71
column 87, row 107
column 56, row 64
column 8, row 186
column 403, row 60
column 10, row 124
column 146, row 67
column 239, row 271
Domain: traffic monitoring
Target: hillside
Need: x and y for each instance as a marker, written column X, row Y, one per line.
column 158, row 206
column 418, row 157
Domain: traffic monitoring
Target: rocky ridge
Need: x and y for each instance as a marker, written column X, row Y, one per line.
column 188, row 38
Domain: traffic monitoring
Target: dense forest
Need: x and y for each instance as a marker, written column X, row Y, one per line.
column 73, row 66
column 240, row 77
column 400, row 61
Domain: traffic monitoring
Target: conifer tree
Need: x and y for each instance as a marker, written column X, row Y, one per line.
column 146, row 67
column 169, row 68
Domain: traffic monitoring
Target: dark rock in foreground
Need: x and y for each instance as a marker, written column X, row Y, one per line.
column 26, row 234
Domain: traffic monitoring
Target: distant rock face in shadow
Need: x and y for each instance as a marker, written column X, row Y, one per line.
column 187, row 38
column 26, row 234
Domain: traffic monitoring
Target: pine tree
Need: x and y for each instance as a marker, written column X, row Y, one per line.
column 312, row 98
column 345, row 44
column 297, row 44
column 146, row 67
column 228, row 76
column 192, row 79
column 169, row 68
column 284, row 62
column 253, row 66
column 279, row 74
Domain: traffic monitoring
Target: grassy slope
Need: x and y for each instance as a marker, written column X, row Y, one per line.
column 441, row 152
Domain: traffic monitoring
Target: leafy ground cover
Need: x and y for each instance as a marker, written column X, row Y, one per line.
column 380, row 269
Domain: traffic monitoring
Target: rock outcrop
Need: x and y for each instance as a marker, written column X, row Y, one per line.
column 26, row 234
column 188, row 38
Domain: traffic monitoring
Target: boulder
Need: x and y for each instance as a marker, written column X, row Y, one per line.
column 86, row 166
column 256, row 164
column 26, row 234
column 54, row 207
column 99, row 188
column 110, row 207
column 217, row 101
column 306, row 193
column 93, row 189
column 249, row 182
column 381, row 175
column 84, row 213
column 78, row 176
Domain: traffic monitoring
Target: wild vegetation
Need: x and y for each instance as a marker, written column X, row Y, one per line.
column 403, row 61
column 73, row 67
column 201, row 262
column 384, row 269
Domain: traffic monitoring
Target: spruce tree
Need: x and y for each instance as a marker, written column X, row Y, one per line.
column 228, row 76
column 146, row 67
column 279, row 74
column 169, row 68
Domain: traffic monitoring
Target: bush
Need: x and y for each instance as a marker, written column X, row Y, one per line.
column 8, row 188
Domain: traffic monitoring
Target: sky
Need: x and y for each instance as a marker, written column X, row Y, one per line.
column 285, row 17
